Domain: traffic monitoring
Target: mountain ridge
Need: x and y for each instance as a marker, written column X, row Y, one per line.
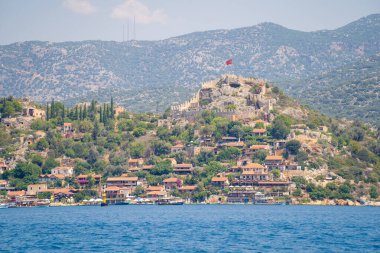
column 141, row 74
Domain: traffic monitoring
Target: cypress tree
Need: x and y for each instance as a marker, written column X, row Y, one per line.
column 63, row 113
column 108, row 112
column 52, row 109
column 95, row 131
column 47, row 111
column 112, row 108
column 85, row 112
column 76, row 112
column 80, row 113
column 104, row 114
column 101, row 115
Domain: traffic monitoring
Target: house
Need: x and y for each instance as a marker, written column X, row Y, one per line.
column 240, row 196
column 67, row 128
column 172, row 183
column 3, row 184
column 147, row 167
column 33, row 189
column 158, row 188
column 14, row 194
column 3, row 167
column 65, row 171
column 156, row 194
column 220, row 182
column 237, row 144
column 277, row 144
column 116, row 194
column 234, row 169
column 259, row 132
column 33, row 112
column 183, row 168
column 274, row 162
column 255, row 148
column 60, row 193
column 254, row 167
column 227, row 139
column 176, row 148
column 135, row 163
column 187, row 189
column 270, row 184
column 252, row 176
column 118, row 110
column 134, row 169
column 83, row 180
column 50, row 178
column 123, row 182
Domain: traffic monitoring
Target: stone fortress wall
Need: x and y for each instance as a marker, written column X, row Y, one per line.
column 193, row 106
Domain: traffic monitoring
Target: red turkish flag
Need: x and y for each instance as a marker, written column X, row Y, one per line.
column 229, row 62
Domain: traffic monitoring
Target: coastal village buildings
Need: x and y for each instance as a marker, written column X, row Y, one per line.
column 172, row 183
column 183, row 168
column 64, row 171
column 233, row 158
column 123, row 182
column 33, row 189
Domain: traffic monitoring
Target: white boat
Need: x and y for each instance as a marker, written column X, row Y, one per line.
column 4, row 205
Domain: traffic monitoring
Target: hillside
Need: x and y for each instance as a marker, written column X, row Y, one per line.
column 237, row 140
column 151, row 75
column 351, row 91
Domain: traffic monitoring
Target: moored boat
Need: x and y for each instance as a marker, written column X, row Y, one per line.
column 3, row 205
column 170, row 201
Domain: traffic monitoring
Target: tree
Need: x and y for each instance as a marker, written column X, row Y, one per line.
column 47, row 111
column 161, row 148
column 52, row 109
column 49, row 164
column 42, row 144
column 260, row 155
column 214, row 168
column 229, row 154
column 357, row 134
column 139, row 191
column 276, row 174
column 112, row 108
column 28, row 172
column 279, row 129
column 37, row 159
column 162, row 168
column 373, row 192
column 293, row 147
column 136, row 149
column 297, row 193
column 95, row 131
column 302, row 156
column 139, row 131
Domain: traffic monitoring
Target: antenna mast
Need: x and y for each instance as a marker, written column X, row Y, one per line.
column 127, row 29
column 134, row 27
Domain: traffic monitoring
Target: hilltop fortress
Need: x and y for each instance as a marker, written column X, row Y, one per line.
column 231, row 96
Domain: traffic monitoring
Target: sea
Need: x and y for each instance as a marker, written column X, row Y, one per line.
column 191, row 228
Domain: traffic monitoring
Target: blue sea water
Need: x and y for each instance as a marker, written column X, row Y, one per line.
column 191, row 228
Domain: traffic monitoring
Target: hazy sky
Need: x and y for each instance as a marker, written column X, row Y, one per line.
column 73, row 20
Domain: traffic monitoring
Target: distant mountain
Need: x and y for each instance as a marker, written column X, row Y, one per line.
column 145, row 75
column 351, row 91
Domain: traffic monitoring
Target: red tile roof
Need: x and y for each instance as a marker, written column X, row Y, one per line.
column 172, row 180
